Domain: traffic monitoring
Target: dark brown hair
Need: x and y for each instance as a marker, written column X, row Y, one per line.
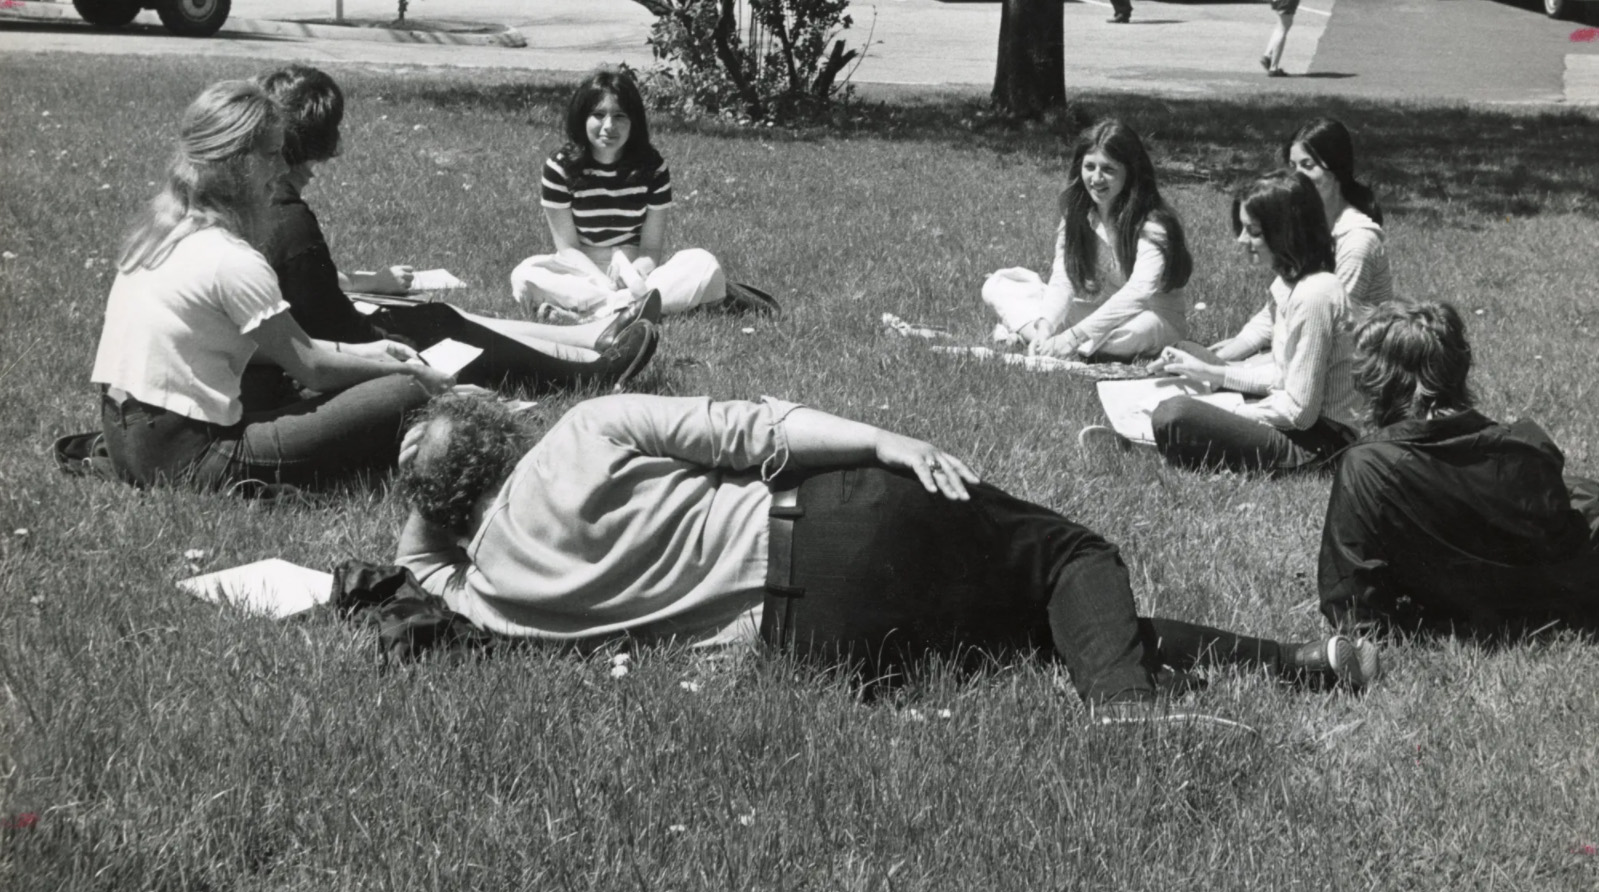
column 1412, row 360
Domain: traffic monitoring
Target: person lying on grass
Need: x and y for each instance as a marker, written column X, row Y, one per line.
column 1442, row 517
column 1307, row 407
column 515, row 353
column 729, row 522
column 606, row 195
column 194, row 303
column 1121, row 261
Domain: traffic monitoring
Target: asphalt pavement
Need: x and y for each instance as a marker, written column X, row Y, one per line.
column 1479, row 50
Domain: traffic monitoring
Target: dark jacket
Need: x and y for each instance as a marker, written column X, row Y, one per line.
column 307, row 275
column 1457, row 520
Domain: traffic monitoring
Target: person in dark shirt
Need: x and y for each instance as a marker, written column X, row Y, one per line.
column 1442, row 517
column 515, row 353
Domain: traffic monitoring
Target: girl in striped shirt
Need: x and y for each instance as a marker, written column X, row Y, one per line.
column 605, row 196
column 1308, row 408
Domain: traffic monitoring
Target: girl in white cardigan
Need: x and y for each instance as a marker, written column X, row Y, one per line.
column 1307, row 407
column 1121, row 261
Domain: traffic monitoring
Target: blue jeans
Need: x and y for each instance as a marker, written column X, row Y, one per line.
column 1193, row 434
column 883, row 571
column 307, row 442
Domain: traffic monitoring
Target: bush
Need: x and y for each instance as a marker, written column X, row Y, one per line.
column 766, row 60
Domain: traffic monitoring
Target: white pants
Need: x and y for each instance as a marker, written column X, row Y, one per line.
column 688, row 279
column 1020, row 298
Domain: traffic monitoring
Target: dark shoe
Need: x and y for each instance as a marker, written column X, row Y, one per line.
column 743, row 298
column 647, row 307
column 628, row 354
column 1353, row 663
column 1119, row 19
column 1276, row 72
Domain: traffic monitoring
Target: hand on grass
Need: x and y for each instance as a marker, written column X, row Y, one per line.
column 1061, row 346
column 393, row 280
column 939, row 471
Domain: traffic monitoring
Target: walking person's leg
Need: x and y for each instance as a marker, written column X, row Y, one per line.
column 1272, row 61
column 1123, row 11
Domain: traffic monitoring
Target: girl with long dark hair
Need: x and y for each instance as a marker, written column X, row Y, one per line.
column 1324, row 152
column 1121, row 261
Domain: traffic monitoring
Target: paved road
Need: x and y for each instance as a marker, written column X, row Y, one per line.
column 1449, row 49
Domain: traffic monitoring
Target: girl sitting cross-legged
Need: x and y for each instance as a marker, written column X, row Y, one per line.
column 1121, row 261
column 606, row 194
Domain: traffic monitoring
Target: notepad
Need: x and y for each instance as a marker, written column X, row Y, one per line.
column 451, row 356
column 274, row 588
column 1129, row 404
column 434, row 280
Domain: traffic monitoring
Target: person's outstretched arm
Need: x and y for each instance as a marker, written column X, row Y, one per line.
column 819, row 440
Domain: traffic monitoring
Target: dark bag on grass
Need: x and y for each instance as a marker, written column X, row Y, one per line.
column 410, row 622
column 84, row 455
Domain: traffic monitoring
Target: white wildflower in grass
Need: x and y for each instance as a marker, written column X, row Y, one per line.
column 693, row 687
column 619, row 671
column 945, row 714
column 621, row 659
column 747, row 820
column 22, row 532
column 194, row 554
column 677, row 828
column 1199, row 305
column 747, row 330
column 914, row 715
column 8, row 255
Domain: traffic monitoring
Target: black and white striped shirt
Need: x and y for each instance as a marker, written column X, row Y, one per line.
column 608, row 201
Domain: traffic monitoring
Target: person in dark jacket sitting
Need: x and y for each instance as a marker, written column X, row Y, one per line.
column 1443, row 517
column 515, row 353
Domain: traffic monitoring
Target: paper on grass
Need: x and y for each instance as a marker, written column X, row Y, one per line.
column 434, row 280
column 273, row 587
column 451, row 356
column 1129, row 404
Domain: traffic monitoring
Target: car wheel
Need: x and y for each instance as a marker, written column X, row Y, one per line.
column 107, row 13
column 1558, row 9
column 194, row 18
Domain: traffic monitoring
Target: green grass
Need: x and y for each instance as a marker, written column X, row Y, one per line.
column 165, row 745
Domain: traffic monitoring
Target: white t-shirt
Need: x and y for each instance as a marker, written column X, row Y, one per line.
column 177, row 336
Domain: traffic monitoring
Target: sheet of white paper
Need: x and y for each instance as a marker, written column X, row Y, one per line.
column 451, row 356
column 434, row 280
column 273, row 587
column 364, row 308
column 1129, row 404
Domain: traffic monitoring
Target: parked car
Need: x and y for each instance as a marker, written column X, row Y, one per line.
column 188, row 18
column 1570, row 9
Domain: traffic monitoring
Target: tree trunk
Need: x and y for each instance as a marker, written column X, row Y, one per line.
column 1030, row 78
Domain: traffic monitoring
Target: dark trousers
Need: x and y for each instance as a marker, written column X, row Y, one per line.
column 883, row 572
column 300, row 441
column 1122, row 8
column 1194, row 434
column 505, row 362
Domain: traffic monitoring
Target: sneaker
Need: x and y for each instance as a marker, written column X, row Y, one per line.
column 1119, row 19
column 1099, row 438
column 1354, row 663
column 1156, row 712
column 1276, row 72
column 743, row 298
column 1265, row 62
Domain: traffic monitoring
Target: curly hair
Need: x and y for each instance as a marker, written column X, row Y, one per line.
column 1411, row 361
column 470, row 447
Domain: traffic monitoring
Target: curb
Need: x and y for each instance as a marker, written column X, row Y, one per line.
column 63, row 12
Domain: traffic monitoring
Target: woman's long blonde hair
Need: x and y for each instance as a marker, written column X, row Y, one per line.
column 208, row 182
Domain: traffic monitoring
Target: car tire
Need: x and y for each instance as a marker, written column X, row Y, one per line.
column 1559, row 9
column 194, row 18
column 107, row 13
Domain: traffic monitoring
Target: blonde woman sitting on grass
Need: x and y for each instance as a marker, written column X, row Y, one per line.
column 195, row 302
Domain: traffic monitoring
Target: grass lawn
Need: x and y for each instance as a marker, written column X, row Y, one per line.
column 151, row 742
